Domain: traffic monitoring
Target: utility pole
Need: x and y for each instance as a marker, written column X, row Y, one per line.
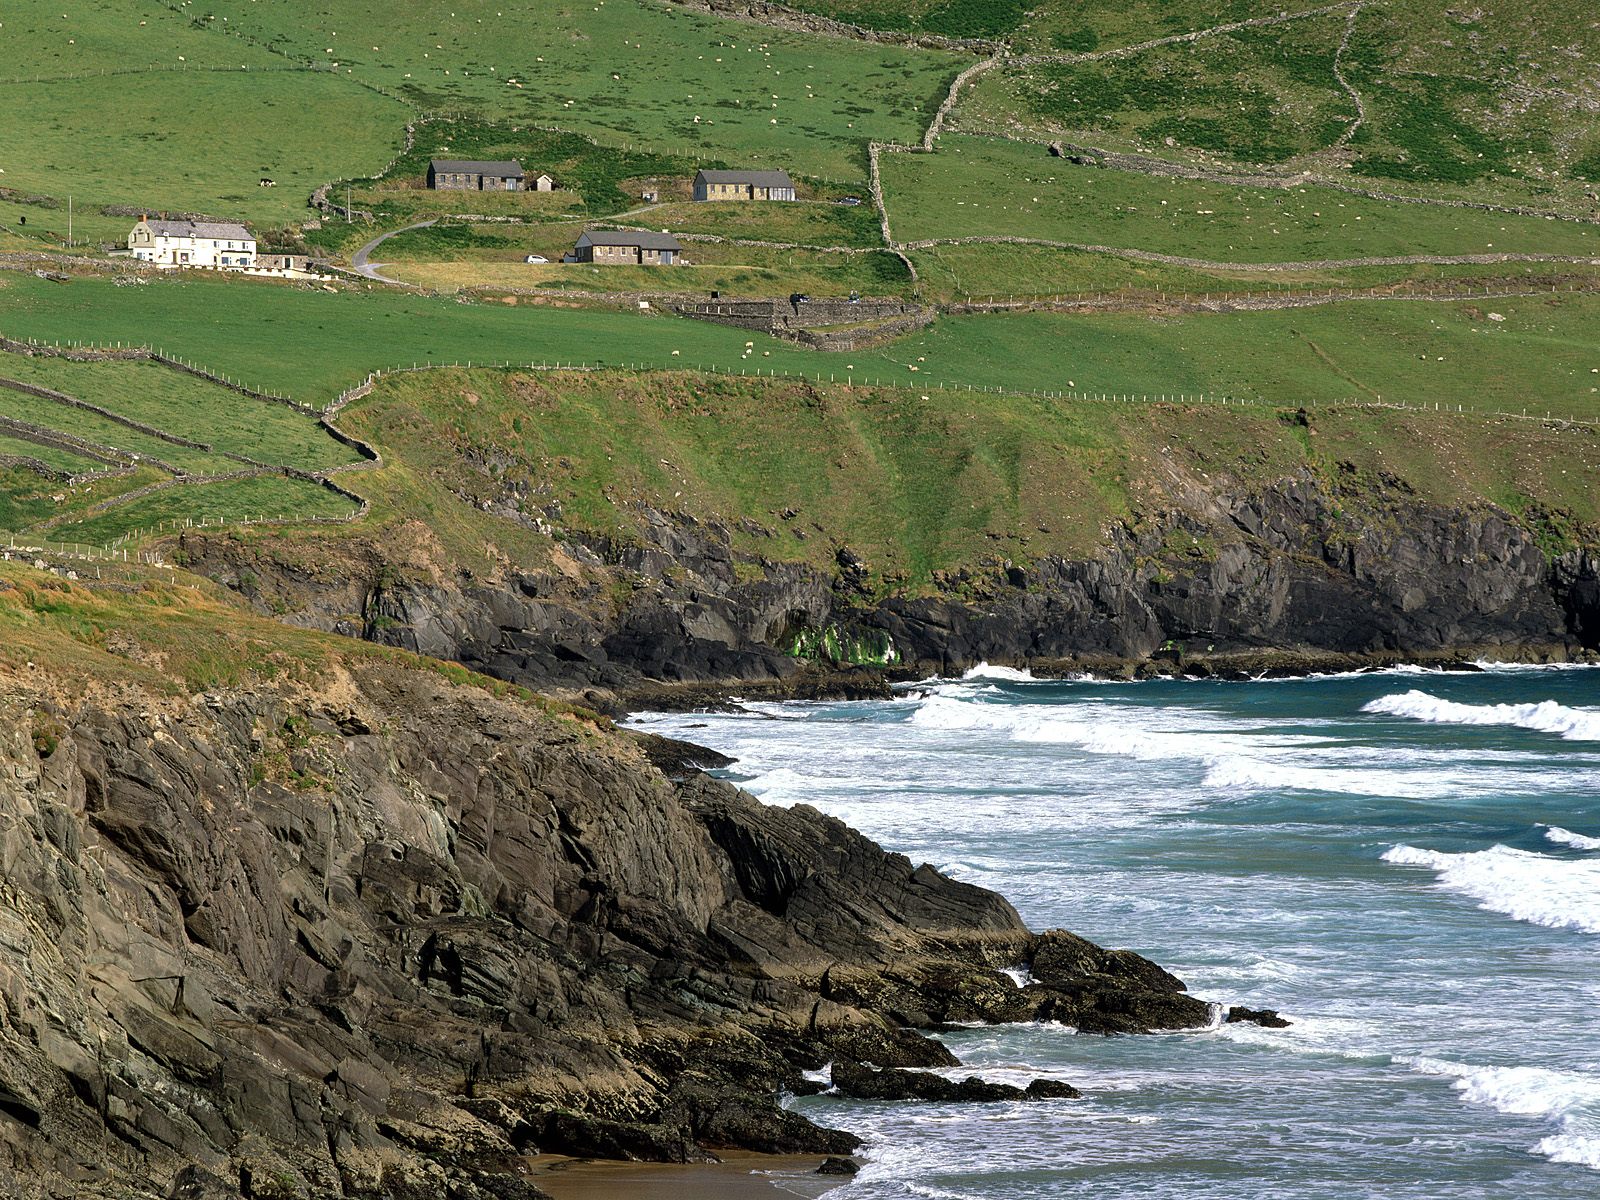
column 348, row 218
column 69, row 220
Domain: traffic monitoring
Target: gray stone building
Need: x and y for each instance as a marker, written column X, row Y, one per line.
column 616, row 248
column 743, row 185
column 474, row 175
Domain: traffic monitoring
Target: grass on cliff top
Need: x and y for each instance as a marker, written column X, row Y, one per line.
column 917, row 484
column 229, row 502
column 177, row 635
column 178, row 404
column 1540, row 356
column 988, row 187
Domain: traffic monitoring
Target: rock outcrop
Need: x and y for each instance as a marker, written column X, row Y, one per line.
column 1303, row 574
column 383, row 935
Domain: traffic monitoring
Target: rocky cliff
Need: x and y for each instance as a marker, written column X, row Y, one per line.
column 1301, row 573
column 377, row 934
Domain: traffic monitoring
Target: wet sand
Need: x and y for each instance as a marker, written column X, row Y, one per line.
column 740, row 1177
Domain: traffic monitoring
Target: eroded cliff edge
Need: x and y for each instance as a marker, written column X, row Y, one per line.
column 350, row 929
column 1303, row 574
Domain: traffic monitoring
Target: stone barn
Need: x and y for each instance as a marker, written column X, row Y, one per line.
column 615, row 248
column 743, row 185
column 473, row 175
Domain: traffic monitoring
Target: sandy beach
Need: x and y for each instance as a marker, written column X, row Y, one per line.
column 739, row 1177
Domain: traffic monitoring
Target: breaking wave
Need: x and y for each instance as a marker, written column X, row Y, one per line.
column 1569, row 1098
column 1008, row 674
column 1553, row 892
column 1565, row 837
column 1575, row 724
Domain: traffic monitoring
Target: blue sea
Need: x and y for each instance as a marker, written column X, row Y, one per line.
column 1406, row 863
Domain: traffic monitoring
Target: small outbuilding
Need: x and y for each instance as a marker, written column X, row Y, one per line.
column 543, row 183
column 618, row 248
column 743, row 185
column 474, row 175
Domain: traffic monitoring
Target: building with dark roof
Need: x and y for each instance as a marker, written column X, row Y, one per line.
column 474, row 175
column 618, row 248
column 743, row 185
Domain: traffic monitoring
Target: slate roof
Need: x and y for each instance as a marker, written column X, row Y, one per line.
column 766, row 179
column 614, row 237
column 473, row 166
column 222, row 231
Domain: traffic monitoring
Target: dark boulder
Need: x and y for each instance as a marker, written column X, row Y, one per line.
column 1267, row 1017
column 835, row 1165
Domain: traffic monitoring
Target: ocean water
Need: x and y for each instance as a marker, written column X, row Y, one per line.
column 1407, row 864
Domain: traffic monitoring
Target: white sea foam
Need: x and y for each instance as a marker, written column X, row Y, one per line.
column 1571, row 1148
column 1009, row 674
column 1575, row 724
column 1554, row 892
column 1237, row 760
column 1570, row 1099
column 1565, row 837
column 1517, row 1091
column 824, row 1075
column 1020, row 976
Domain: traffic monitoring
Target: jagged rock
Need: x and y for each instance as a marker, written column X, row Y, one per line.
column 834, row 1165
column 382, row 944
column 1308, row 573
column 1256, row 1016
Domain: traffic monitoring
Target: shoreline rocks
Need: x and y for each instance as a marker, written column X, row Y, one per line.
column 384, row 936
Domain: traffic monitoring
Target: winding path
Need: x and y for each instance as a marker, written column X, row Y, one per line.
column 361, row 261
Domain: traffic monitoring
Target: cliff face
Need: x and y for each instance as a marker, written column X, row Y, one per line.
column 381, row 936
column 1300, row 573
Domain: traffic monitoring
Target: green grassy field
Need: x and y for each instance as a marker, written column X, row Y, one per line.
column 182, row 405
column 985, row 186
column 50, row 456
column 231, row 501
column 137, row 140
column 956, row 272
column 177, row 404
column 626, row 70
column 105, row 432
column 1540, row 356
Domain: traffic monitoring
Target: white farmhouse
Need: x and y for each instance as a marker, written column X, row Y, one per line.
column 214, row 244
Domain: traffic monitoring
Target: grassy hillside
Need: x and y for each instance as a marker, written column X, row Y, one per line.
column 916, row 484
column 627, row 70
column 1464, row 100
column 228, row 427
column 986, row 186
column 950, row 18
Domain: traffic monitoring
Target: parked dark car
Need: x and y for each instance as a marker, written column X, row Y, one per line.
column 849, row 201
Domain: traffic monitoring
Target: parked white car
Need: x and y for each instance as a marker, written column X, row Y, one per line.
column 536, row 258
